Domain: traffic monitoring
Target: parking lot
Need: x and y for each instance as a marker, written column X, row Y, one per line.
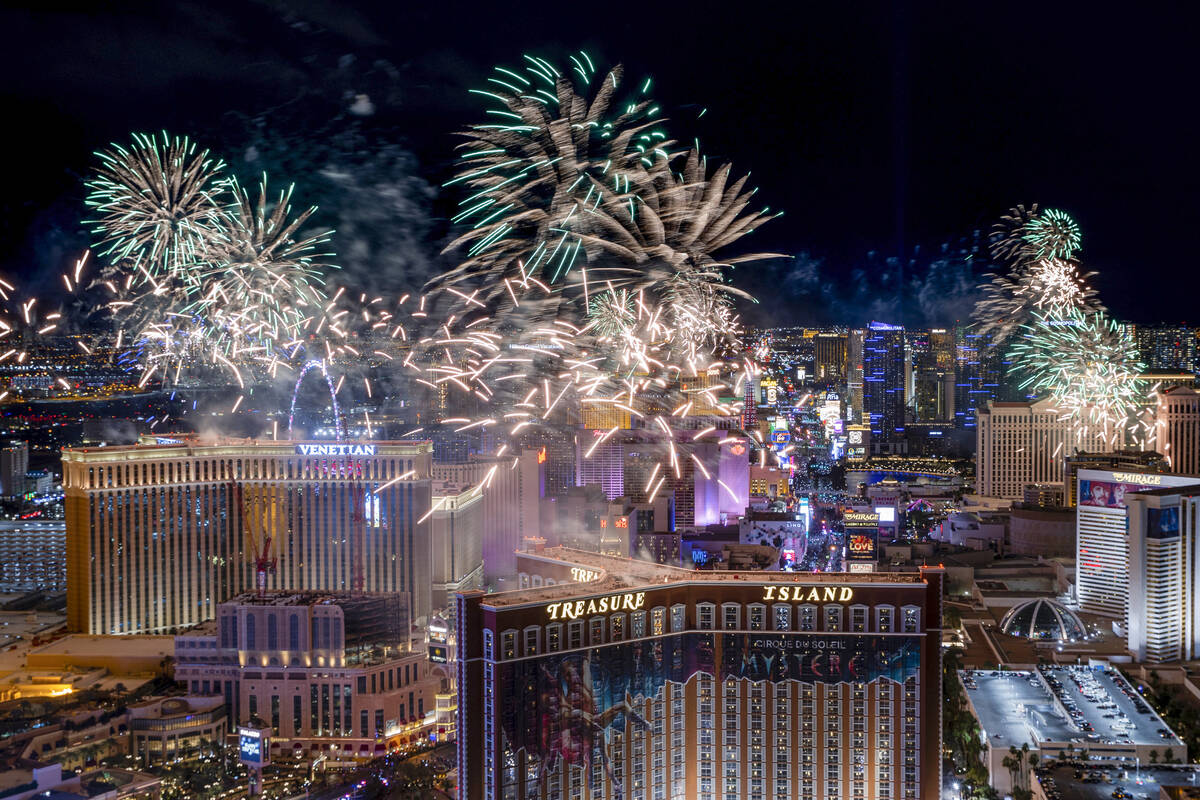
column 1105, row 784
column 1107, row 709
column 1015, row 707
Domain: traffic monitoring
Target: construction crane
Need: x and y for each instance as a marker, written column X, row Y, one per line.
column 261, row 510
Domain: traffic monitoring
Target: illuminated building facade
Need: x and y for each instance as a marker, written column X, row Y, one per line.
column 330, row 674
column 977, row 368
column 1177, row 429
column 1166, row 346
column 159, row 533
column 1022, row 443
column 1163, row 621
column 883, row 382
column 609, row 678
column 829, row 357
column 510, row 504
column 1102, row 565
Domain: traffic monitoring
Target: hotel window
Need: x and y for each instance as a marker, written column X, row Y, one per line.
column 250, row 632
column 596, row 631
column 678, row 618
column 616, row 628
column 731, row 614
column 858, row 619
column 833, row 618
column 884, row 616
column 658, row 621
column 808, row 618
column 705, row 613
column 508, row 645
column 758, row 617
column 638, row 618
column 487, row 644
column 553, row 637
column 783, row 617
column 531, row 641
column 911, row 619
column 574, row 635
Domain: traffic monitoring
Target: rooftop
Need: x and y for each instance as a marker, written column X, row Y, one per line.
column 128, row 645
column 623, row 574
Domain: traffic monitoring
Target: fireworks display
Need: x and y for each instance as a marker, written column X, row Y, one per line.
column 1043, row 277
column 1088, row 365
column 557, row 143
column 157, row 203
column 198, row 275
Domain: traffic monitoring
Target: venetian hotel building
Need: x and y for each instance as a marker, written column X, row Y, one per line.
column 608, row 678
column 159, row 533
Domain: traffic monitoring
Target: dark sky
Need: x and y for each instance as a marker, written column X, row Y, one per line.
column 877, row 127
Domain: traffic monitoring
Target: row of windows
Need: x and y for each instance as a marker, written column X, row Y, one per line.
column 175, row 471
column 620, row 627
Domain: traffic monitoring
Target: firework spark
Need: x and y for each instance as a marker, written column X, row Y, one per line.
column 158, row 201
column 1087, row 364
column 1043, row 277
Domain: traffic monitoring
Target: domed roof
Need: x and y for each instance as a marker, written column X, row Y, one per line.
column 1043, row 619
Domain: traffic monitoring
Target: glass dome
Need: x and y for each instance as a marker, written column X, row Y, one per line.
column 1043, row 619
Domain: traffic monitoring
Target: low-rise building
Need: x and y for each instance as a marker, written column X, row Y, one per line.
column 329, row 672
column 176, row 727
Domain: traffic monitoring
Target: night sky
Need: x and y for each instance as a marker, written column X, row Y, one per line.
column 879, row 129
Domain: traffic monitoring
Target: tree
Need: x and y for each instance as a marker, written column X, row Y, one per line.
column 1153, row 756
column 1168, row 756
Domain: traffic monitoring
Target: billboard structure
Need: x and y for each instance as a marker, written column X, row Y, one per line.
column 862, row 539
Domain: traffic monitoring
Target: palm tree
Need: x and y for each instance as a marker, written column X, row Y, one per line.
column 1012, row 762
column 1153, row 756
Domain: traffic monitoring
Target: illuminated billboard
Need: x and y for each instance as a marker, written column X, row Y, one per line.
column 886, row 514
column 254, row 746
column 1105, row 489
column 860, row 545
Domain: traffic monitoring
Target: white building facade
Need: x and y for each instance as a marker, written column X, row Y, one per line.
column 1023, row 443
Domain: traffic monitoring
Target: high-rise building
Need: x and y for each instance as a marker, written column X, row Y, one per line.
column 456, row 541
column 600, row 459
column 331, row 674
column 557, row 461
column 1101, row 535
column 1023, row 443
column 977, row 375
column 1177, row 429
column 883, row 382
column 159, row 533
column 931, row 386
column 14, row 463
column 1166, row 346
column 1163, row 620
column 854, row 375
column 510, row 504
column 1118, row 460
column 627, row 679
column 830, row 357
